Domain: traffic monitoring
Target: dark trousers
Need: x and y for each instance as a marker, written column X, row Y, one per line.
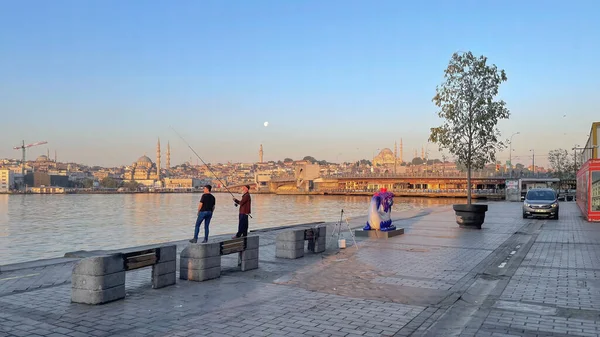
column 242, row 226
column 202, row 216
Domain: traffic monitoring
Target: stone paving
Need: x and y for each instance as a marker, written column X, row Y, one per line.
column 515, row 277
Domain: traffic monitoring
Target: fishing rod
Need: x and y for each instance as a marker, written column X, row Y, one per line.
column 205, row 164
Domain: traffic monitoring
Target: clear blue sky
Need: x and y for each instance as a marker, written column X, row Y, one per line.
column 101, row 80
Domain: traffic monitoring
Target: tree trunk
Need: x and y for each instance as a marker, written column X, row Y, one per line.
column 468, row 184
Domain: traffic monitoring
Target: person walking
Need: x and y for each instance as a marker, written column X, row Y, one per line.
column 206, row 207
column 245, row 210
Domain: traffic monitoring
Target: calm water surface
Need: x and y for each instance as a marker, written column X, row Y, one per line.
column 46, row 226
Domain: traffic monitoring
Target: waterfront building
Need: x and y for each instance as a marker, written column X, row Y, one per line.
column 184, row 182
column 262, row 179
column 41, row 179
column 47, row 190
column 7, row 180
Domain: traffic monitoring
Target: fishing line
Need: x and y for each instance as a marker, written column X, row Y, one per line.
column 205, row 164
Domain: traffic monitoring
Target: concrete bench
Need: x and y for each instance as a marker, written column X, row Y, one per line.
column 101, row 279
column 202, row 261
column 290, row 244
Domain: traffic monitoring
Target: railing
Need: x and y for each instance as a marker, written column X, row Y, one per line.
column 283, row 179
column 419, row 191
column 481, row 175
column 460, row 175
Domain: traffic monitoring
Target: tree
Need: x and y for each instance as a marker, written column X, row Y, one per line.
column 288, row 160
column 131, row 185
column 87, row 183
column 310, row 159
column 466, row 102
column 417, row 161
column 109, row 182
column 561, row 163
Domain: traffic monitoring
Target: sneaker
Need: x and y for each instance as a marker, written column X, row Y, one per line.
column 204, row 241
column 194, row 240
column 234, row 237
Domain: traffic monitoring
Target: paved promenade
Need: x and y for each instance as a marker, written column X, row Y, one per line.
column 515, row 277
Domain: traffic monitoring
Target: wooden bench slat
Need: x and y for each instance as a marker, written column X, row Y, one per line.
column 233, row 246
column 140, row 259
column 141, row 252
column 232, row 250
column 140, row 264
column 237, row 243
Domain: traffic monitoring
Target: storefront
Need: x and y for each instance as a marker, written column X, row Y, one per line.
column 588, row 189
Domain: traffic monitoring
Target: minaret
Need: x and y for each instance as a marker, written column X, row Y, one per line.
column 158, row 159
column 168, row 156
column 260, row 154
column 48, row 154
column 401, row 147
column 55, row 156
column 422, row 152
column 395, row 156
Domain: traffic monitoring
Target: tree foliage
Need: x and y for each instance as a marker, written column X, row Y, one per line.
column 467, row 103
column 87, row 183
column 288, row 160
column 131, row 185
column 417, row 161
column 561, row 163
column 109, row 182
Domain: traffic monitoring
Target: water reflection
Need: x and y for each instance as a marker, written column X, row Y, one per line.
column 45, row 226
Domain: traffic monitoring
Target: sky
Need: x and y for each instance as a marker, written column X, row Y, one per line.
column 101, row 81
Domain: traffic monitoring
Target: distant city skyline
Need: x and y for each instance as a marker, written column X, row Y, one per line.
column 335, row 80
column 541, row 159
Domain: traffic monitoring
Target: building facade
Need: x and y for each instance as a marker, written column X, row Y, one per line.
column 6, row 180
column 184, row 183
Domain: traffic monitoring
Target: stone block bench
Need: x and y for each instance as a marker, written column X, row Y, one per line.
column 290, row 244
column 202, row 261
column 378, row 234
column 101, row 279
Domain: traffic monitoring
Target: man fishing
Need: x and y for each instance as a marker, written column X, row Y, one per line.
column 206, row 207
column 245, row 210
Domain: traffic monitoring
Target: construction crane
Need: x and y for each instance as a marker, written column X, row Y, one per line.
column 23, row 147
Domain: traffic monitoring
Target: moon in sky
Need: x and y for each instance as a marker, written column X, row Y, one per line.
column 266, row 123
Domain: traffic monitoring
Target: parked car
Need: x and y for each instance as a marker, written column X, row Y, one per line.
column 541, row 202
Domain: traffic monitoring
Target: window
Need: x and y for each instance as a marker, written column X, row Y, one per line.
column 540, row 195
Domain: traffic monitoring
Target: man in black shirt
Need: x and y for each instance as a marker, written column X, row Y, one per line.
column 206, row 208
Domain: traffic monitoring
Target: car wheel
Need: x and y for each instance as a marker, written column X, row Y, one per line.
column 524, row 216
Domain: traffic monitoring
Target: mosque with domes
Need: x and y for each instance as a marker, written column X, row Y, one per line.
column 145, row 172
column 388, row 158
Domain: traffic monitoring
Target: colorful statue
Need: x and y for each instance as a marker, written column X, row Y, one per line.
column 380, row 211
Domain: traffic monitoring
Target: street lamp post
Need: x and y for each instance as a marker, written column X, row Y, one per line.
column 510, row 152
column 533, row 160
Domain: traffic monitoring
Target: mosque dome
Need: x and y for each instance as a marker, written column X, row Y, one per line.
column 144, row 161
column 386, row 152
column 386, row 156
column 42, row 158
